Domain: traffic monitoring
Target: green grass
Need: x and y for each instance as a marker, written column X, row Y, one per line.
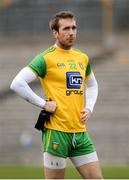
column 27, row 172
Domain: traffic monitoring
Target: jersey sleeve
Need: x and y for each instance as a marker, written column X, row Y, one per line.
column 38, row 65
column 88, row 69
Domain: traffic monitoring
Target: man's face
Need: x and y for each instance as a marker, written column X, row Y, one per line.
column 66, row 35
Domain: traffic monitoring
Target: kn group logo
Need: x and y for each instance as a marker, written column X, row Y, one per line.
column 74, row 80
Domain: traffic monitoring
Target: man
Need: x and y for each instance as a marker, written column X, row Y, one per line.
column 63, row 72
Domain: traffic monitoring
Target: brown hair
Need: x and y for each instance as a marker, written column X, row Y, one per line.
column 54, row 22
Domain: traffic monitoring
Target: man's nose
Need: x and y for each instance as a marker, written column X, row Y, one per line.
column 71, row 31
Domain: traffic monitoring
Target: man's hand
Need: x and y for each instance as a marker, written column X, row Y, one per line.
column 85, row 115
column 50, row 106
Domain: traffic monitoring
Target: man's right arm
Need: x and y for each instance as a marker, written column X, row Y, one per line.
column 20, row 84
column 21, row 87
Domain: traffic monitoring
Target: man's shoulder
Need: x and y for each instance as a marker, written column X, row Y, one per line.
column 48, row 51
column 80, row 52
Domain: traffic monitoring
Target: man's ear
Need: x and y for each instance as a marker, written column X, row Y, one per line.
column 55, row 33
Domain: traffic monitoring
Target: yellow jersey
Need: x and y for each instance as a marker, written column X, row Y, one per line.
column 62, row 75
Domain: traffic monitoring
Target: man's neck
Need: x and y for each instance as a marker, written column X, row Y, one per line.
column 63, row 47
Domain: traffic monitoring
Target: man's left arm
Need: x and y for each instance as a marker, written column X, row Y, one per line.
column 91, row 92
column 90, row 97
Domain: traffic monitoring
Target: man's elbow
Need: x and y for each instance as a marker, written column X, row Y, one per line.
column 97, row 87
column 13, row 85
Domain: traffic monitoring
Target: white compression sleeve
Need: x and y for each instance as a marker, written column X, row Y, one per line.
column 21, row 87
column 91, row 92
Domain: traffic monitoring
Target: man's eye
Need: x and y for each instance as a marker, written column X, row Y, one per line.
column 74, row 27
column 67, row 28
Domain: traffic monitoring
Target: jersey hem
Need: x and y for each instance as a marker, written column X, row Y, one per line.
column 67, row 131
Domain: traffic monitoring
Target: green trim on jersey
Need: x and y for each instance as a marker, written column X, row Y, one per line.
column 49, row 50
column 78, row 50
column 88, row 69
column 38, row 64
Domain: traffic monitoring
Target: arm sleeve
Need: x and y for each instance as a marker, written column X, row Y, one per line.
column 21, row 87
column 91, row 92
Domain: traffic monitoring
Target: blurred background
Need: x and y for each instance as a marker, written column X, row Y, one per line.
column 103, row 33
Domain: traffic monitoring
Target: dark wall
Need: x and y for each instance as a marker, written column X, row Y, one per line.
column 32, row 16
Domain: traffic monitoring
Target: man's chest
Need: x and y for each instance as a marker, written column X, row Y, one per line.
column 60, row 68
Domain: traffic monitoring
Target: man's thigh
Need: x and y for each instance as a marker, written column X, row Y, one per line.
column 54, row 166
column 90, row 171
column 88, row 165
column 54, row 173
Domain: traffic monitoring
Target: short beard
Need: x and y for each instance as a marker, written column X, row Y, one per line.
column 64, row 46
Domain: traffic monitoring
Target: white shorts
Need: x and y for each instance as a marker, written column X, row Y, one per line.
column 54, row 162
